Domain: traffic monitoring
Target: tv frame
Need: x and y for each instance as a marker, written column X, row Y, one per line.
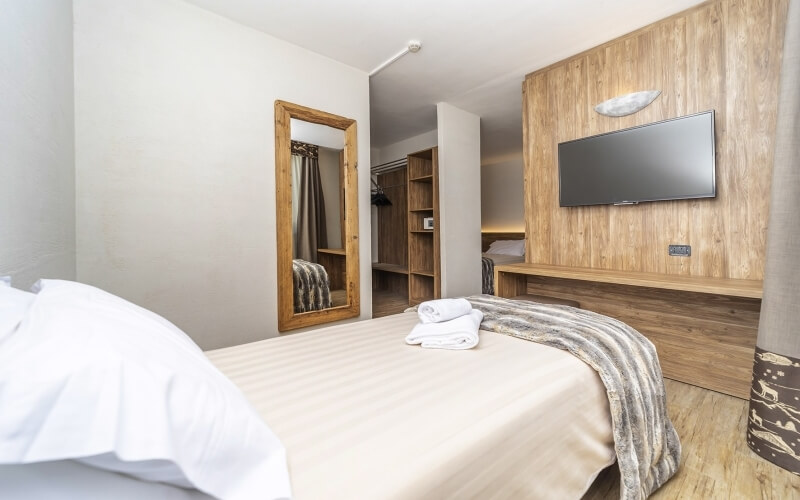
column 713, row 193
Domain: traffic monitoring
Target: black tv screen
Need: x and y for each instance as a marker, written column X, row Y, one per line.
column 668, row 160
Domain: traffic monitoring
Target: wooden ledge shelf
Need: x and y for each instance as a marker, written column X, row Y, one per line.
column 704, row 329
column 389, row 268
column 717, row 286
column 331, row 251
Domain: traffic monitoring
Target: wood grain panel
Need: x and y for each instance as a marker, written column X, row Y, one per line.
column 722, row 55
column 696, row 284
column 702, row 339
column 393, row 219
column 334, row 261
column 488, row 238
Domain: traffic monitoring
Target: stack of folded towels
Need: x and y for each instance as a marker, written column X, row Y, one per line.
column 446, row 324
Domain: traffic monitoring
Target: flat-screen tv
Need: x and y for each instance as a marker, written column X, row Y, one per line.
column 668, row 160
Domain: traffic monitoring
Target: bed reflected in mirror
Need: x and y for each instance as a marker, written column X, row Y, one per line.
column 317, row 217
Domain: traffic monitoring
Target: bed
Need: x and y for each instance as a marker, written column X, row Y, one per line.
column 498, row 249
column 347, row 411
column 363, row 415
column 312, row 290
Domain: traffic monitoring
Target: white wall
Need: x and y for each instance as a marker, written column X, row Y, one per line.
column 37, row 162
column 459, row 192
column 502, row 187
column 175, row 160
column 401, row 149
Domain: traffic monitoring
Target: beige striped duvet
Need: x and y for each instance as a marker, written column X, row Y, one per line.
column 365, row 416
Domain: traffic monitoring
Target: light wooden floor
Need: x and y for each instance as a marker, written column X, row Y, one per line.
column 715, row 461
column 385, row 303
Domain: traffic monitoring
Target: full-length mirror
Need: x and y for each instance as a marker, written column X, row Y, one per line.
column 317, row 216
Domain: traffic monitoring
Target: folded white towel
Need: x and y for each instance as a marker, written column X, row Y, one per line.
column 459, row 333
column 434, row 311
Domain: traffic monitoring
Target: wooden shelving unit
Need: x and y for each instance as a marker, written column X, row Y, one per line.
column 408, row 253
column 423, row 244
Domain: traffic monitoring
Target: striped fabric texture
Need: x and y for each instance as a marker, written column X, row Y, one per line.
column 647, row 445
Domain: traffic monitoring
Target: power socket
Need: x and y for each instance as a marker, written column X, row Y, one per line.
column 680, row 250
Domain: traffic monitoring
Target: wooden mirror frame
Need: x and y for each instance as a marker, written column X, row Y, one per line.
column 287, row 318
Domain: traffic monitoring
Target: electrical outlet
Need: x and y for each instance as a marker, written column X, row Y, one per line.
column 680, row 250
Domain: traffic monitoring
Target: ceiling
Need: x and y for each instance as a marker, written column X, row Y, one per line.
column 475, row 54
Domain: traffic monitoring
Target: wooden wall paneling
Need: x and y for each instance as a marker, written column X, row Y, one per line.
column 599, row 220
column 396, row 283
column 393, row 219
column 720, row 55
column 758, row 56
column 335, row 263
column 701, row 339
column 487, row 238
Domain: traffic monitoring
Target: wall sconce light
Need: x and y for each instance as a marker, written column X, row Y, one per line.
column 627, row 104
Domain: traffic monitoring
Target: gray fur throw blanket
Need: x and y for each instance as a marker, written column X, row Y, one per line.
column 647, row 446
column 312, row 288
column 487, row 285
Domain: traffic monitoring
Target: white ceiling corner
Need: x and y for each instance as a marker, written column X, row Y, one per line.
column 475, row 54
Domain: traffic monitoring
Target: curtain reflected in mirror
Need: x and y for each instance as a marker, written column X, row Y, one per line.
column 318, row 257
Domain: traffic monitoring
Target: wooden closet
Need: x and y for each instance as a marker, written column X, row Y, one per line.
column 408, row 253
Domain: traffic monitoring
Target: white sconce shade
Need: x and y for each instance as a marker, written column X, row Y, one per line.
column 627, row 104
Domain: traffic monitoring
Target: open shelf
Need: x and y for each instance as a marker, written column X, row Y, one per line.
column 420, row 288
column 423, row 243
column 428, row 273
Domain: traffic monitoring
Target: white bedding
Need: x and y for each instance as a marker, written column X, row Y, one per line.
column 71, row 480
column 363, row 415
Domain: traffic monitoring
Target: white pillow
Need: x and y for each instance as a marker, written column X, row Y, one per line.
column 507, row 247
column 13, row 307
column 5, row 281
column 89, row 376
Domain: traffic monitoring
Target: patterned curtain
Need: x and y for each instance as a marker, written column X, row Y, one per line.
column 308, row 203
column 773, row 429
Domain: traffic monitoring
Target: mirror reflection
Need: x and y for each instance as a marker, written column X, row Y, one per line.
column 318, row 208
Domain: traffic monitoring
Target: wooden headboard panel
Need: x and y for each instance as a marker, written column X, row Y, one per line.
column 489, row 238
column 720, row 55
